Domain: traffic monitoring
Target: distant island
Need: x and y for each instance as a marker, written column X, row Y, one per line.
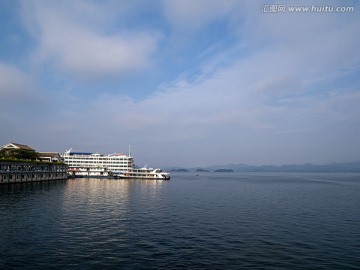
column 201, row 170
column 179, row 170
column 351, row 167
column 224, row 170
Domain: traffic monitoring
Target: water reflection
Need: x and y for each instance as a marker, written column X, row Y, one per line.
column 29, row 195
column 106, row 212
column 95, row 191
column 191, row 223
column 18, row 187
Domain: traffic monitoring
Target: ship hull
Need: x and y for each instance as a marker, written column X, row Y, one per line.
column 141, row 178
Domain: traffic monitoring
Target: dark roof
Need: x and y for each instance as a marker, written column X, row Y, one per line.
column 23, row 146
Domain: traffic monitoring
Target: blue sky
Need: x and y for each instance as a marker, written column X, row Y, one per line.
column 185, row 83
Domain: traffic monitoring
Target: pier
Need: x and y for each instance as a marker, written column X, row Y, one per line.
column 22, row 172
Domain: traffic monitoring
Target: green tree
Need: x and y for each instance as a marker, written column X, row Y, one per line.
column 18, row 154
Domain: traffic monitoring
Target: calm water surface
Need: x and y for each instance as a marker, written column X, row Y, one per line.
column 209, row 221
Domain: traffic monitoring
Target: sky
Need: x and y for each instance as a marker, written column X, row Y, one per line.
column 186, row 83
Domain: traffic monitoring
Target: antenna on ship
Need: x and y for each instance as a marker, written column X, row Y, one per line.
column 129, row 151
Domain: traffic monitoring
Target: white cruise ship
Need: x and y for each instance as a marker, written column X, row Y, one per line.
column 108, row 166
column 96, row 165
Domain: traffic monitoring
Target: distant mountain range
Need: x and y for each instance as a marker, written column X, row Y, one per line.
column 333, row 167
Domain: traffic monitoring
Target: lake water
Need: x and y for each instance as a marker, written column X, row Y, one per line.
column 209, row 221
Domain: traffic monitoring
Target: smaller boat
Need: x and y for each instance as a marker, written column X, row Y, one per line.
column 89, row 172
column 142, row 173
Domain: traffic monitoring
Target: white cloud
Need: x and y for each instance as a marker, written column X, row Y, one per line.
column 14, row 83
column 270, row 106
column 81, row 44
column 22, row 104
column 192, row 15
column 225, row 113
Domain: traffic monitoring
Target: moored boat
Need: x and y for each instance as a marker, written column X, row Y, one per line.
column 142, row 173
column 89, row 172
column 116, row 165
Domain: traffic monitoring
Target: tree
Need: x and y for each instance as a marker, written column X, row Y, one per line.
column 18, row 154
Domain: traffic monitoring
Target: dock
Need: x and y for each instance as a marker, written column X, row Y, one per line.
column 24, row 172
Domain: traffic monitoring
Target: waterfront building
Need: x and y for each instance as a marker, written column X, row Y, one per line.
column 20, row 163
column 50, row 157
column 39, row 156
column 22, row 172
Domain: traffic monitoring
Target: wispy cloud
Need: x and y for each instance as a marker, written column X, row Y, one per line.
column 191, row 16
column 72, row 38
column 15, row 84
column 271, row 88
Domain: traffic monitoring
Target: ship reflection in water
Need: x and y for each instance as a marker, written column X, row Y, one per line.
column 109, row 200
